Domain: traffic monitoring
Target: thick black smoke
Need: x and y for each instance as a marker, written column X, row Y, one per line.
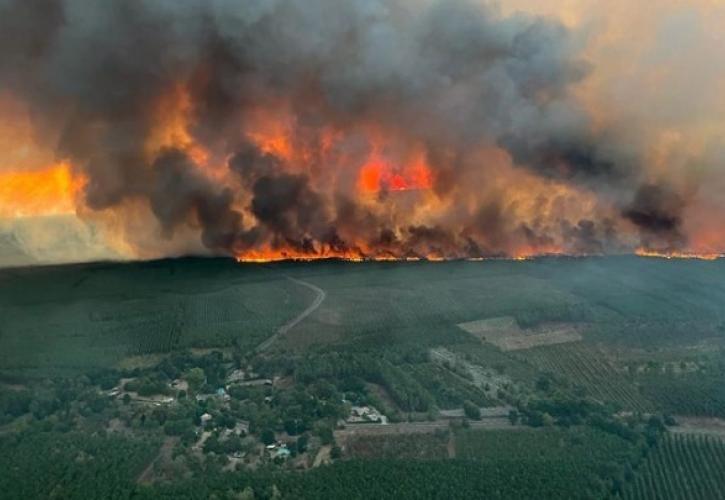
column 178, row 190
column 657, row 212
column 450, row 75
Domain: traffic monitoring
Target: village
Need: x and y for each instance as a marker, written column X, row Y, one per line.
column 238, row 418
column 244, row 419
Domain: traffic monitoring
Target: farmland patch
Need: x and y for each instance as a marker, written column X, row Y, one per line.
column 681, row 467
column 506, row 334
column 411, row 446
column 588, row 369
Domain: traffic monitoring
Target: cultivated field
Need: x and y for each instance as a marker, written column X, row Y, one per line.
column 588, row 369
column 682, row 467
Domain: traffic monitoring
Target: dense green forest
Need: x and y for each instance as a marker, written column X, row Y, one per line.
column 51, row 464
column 156, row 380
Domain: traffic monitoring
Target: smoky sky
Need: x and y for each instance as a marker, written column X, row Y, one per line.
column 453, row 76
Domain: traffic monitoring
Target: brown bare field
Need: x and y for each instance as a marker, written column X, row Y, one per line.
column 505, row 333
column 498, row 423
column 413, row 440
column 399, row 446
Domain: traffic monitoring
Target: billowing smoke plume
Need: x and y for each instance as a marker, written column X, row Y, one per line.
column 327, row 127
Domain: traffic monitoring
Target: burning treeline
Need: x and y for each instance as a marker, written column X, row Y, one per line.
column 320, row 128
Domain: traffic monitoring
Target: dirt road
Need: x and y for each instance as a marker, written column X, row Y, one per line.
column 451, row 445
column 713, row 427
column 319, row 298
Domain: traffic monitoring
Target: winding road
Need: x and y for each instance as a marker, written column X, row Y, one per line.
column 319, row 299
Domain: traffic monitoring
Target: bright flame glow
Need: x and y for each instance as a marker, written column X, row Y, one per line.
column 643, row 252
column 50, row 191
column 172, row 118
column 379, row 174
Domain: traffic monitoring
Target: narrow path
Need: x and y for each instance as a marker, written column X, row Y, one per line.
column 319, row 298
column 451, row 445
column 147, row 475
column 323, row 456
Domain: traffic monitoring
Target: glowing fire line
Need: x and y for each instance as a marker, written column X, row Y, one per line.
column 642, row 252
column 50, row 191
column 287, row 256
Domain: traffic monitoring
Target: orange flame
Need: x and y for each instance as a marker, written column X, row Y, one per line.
column 644, row 252
column 268, row 254
column 172, row 118
column 279, row 255
column 387, row 164
column 50, row 191
column 379, row 174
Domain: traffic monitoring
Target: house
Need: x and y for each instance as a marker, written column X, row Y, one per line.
column 205, row 418
column 240, row 429
column 366, row 414
column 488, row 412
column 157, row 400
column 220, row 393
column 259, row 381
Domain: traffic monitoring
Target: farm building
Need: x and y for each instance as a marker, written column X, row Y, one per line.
column 366, row 414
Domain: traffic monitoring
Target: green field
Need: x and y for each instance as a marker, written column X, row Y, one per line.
column 588, row 370
column 628, row 301
column 682, row 467
column 84, row 347
column 71, row 318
